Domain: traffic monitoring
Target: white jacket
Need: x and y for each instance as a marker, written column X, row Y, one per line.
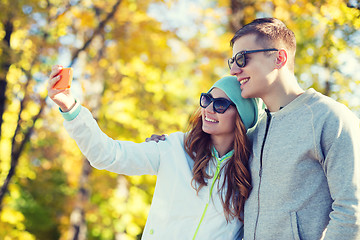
column 176, row 209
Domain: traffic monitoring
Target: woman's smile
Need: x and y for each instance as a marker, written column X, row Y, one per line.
column 208, row 119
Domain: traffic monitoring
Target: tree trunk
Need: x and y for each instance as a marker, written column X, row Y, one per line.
column 78, row 230
column 5, row 65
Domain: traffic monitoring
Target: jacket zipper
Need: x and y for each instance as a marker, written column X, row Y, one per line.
column 216, row 176
column 268, row 120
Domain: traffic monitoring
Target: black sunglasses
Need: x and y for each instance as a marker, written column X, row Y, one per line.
column 220, row 105
column 240, row 57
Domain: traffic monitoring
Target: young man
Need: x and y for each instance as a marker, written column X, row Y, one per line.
column 305, row 165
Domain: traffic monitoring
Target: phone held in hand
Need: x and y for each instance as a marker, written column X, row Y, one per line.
column 65, row 80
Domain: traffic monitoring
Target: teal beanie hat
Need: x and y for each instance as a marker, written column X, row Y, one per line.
column 246, row 107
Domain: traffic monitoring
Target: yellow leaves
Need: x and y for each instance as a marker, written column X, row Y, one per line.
column 132, row 7
column 5, row 149
column 62, row 30
column 180, row 52
column 224, row 43
column 2, row 32
column 330, row 11
column 25, row 171
column 9, row 216
column 223, row 3
column 14, row 75
column 12, row 221
column 28, row 45
column 43, row 3
column 84, row 18
column 309, row 8
column 356, row 23
column 296, row 9
column 249, row 11
column 125, row 210
column 17, row 39
column 153, row 83
column 281, row 13
column 339, row 78
column 133, row 229
column 20, row 235
column 356, row 51
column 119, row 110
column 338, row 12
column 30, row 111
column 74, row 159
column 103, row 63
column 151, row 80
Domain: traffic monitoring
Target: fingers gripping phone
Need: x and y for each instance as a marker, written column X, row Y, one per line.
column 65, row 80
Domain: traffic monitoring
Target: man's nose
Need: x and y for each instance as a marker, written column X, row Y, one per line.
column 235, row 69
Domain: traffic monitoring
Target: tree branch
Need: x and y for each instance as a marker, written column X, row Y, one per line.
column 15, row 154
column 97, row 31
column 356, row 6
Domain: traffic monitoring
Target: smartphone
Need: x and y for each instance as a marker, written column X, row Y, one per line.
column 65, row 80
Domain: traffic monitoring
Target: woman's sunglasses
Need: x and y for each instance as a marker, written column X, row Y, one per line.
column 240, row 57
column 220, row 105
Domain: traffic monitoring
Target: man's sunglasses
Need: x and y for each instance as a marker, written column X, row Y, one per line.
column 220, row 105
column 240, row 57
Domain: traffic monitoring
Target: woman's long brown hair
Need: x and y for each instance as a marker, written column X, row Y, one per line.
column 237, row 182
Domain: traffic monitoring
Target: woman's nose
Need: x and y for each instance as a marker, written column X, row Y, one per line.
column 210, row 107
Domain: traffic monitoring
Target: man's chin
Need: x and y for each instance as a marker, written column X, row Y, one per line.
column 244, row 94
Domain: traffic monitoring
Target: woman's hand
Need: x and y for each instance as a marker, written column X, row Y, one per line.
column 62, row 97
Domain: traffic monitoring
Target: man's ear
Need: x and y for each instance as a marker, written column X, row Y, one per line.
column 281, row 58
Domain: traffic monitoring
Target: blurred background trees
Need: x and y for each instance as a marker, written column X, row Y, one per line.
column 139, row 66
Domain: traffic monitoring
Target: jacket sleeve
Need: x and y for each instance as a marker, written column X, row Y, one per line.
column 102, row 152
column 340, row 146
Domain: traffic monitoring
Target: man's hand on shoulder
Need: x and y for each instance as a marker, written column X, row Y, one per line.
column 156, row 138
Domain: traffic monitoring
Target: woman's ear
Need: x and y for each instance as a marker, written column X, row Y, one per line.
column 281, row 58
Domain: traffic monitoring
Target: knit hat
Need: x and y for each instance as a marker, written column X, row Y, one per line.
column 246, row 107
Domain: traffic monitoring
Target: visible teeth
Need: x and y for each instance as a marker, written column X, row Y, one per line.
column 244, row 80
column 210, row 120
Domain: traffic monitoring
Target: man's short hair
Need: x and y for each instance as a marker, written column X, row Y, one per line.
column 270, row 33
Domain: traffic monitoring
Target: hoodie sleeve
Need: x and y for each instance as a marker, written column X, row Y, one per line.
column 103, row 152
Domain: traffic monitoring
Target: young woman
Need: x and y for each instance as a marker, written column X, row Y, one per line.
column 202, row 175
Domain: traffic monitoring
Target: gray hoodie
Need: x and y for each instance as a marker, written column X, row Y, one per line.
column 305, row 172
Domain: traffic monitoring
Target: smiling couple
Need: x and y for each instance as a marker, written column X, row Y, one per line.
column 291, row 173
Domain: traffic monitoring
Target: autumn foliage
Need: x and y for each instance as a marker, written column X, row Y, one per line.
column 139, row 66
